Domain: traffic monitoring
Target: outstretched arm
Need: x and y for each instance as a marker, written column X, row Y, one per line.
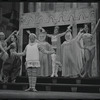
column 8, row 47
column 28, row 31
column 79, row 38
column 96, row 27
column 10, row 36
column 62, row 34
column 20, row 54
column 79, row 35
column 44, row 50
column 42, row 29
column 17, row 33
column 49, row 35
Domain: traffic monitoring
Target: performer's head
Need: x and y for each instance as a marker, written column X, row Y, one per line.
column 86, row 29
column 32, row 38
column 56, row 30
column 68, row 36
column 13, row 38
column 42, row 36
column 2, row 36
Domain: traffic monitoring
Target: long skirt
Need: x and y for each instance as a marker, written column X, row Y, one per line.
column 45, row 65
column 45, row 61
column 71, row 60
column 11, row 67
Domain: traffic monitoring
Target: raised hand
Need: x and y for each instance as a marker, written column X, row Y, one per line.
column 69, row 27
column 42, row 29
column 96, row 26
column 28, row 32
column 17, row 32
column 14, row 32
column 81, row 30
column 14, row 53
column 10, row 35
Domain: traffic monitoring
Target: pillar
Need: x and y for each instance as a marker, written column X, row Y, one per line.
column 74, row 27
column 38, row 10
column 21, row 31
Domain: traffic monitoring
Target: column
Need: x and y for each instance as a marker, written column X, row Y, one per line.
column 98, row 40
column 38, row 10
column 95, row 39
column 74, row 27
column 20, row 49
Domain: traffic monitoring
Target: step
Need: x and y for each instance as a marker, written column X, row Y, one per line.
column 65, row 80
column 53, row 87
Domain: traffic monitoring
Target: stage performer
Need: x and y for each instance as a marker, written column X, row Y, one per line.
column 55, row 39
column 3, row 55
column 32, row 60
column 89, row 50
column 45, row 60
column 11, row 67
column 55, row 65
column 71, row 55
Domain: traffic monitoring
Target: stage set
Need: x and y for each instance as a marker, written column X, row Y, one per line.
column 78, row 74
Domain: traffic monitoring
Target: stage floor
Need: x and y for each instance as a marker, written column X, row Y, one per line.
column 9, row 94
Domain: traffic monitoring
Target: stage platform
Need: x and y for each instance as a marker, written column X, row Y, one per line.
column 53, row 88
column 12, row 94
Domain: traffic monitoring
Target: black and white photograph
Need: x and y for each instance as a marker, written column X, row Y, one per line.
column 49, row 50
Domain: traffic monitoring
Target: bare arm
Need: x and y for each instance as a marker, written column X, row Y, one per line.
column 17, row 33
column 79, row 35
column 96, row 27
column 62, row 34
column 45, row 51
column 49, row 35
column 20, row 54
column 79, row 38
column 10, row 36
column 28, row 32
column 44, row 31
column 8, row 47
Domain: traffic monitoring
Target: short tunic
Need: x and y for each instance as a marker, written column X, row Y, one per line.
column 32, row 55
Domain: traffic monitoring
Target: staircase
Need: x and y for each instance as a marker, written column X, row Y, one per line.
column 57, row 84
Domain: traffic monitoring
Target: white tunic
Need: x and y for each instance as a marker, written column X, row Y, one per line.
column 32, row 55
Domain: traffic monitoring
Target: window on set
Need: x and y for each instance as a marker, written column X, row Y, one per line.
column 83, row 5
column 29, row 7
column 47, row 6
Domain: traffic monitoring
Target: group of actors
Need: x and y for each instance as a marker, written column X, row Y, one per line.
column 73, row 57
